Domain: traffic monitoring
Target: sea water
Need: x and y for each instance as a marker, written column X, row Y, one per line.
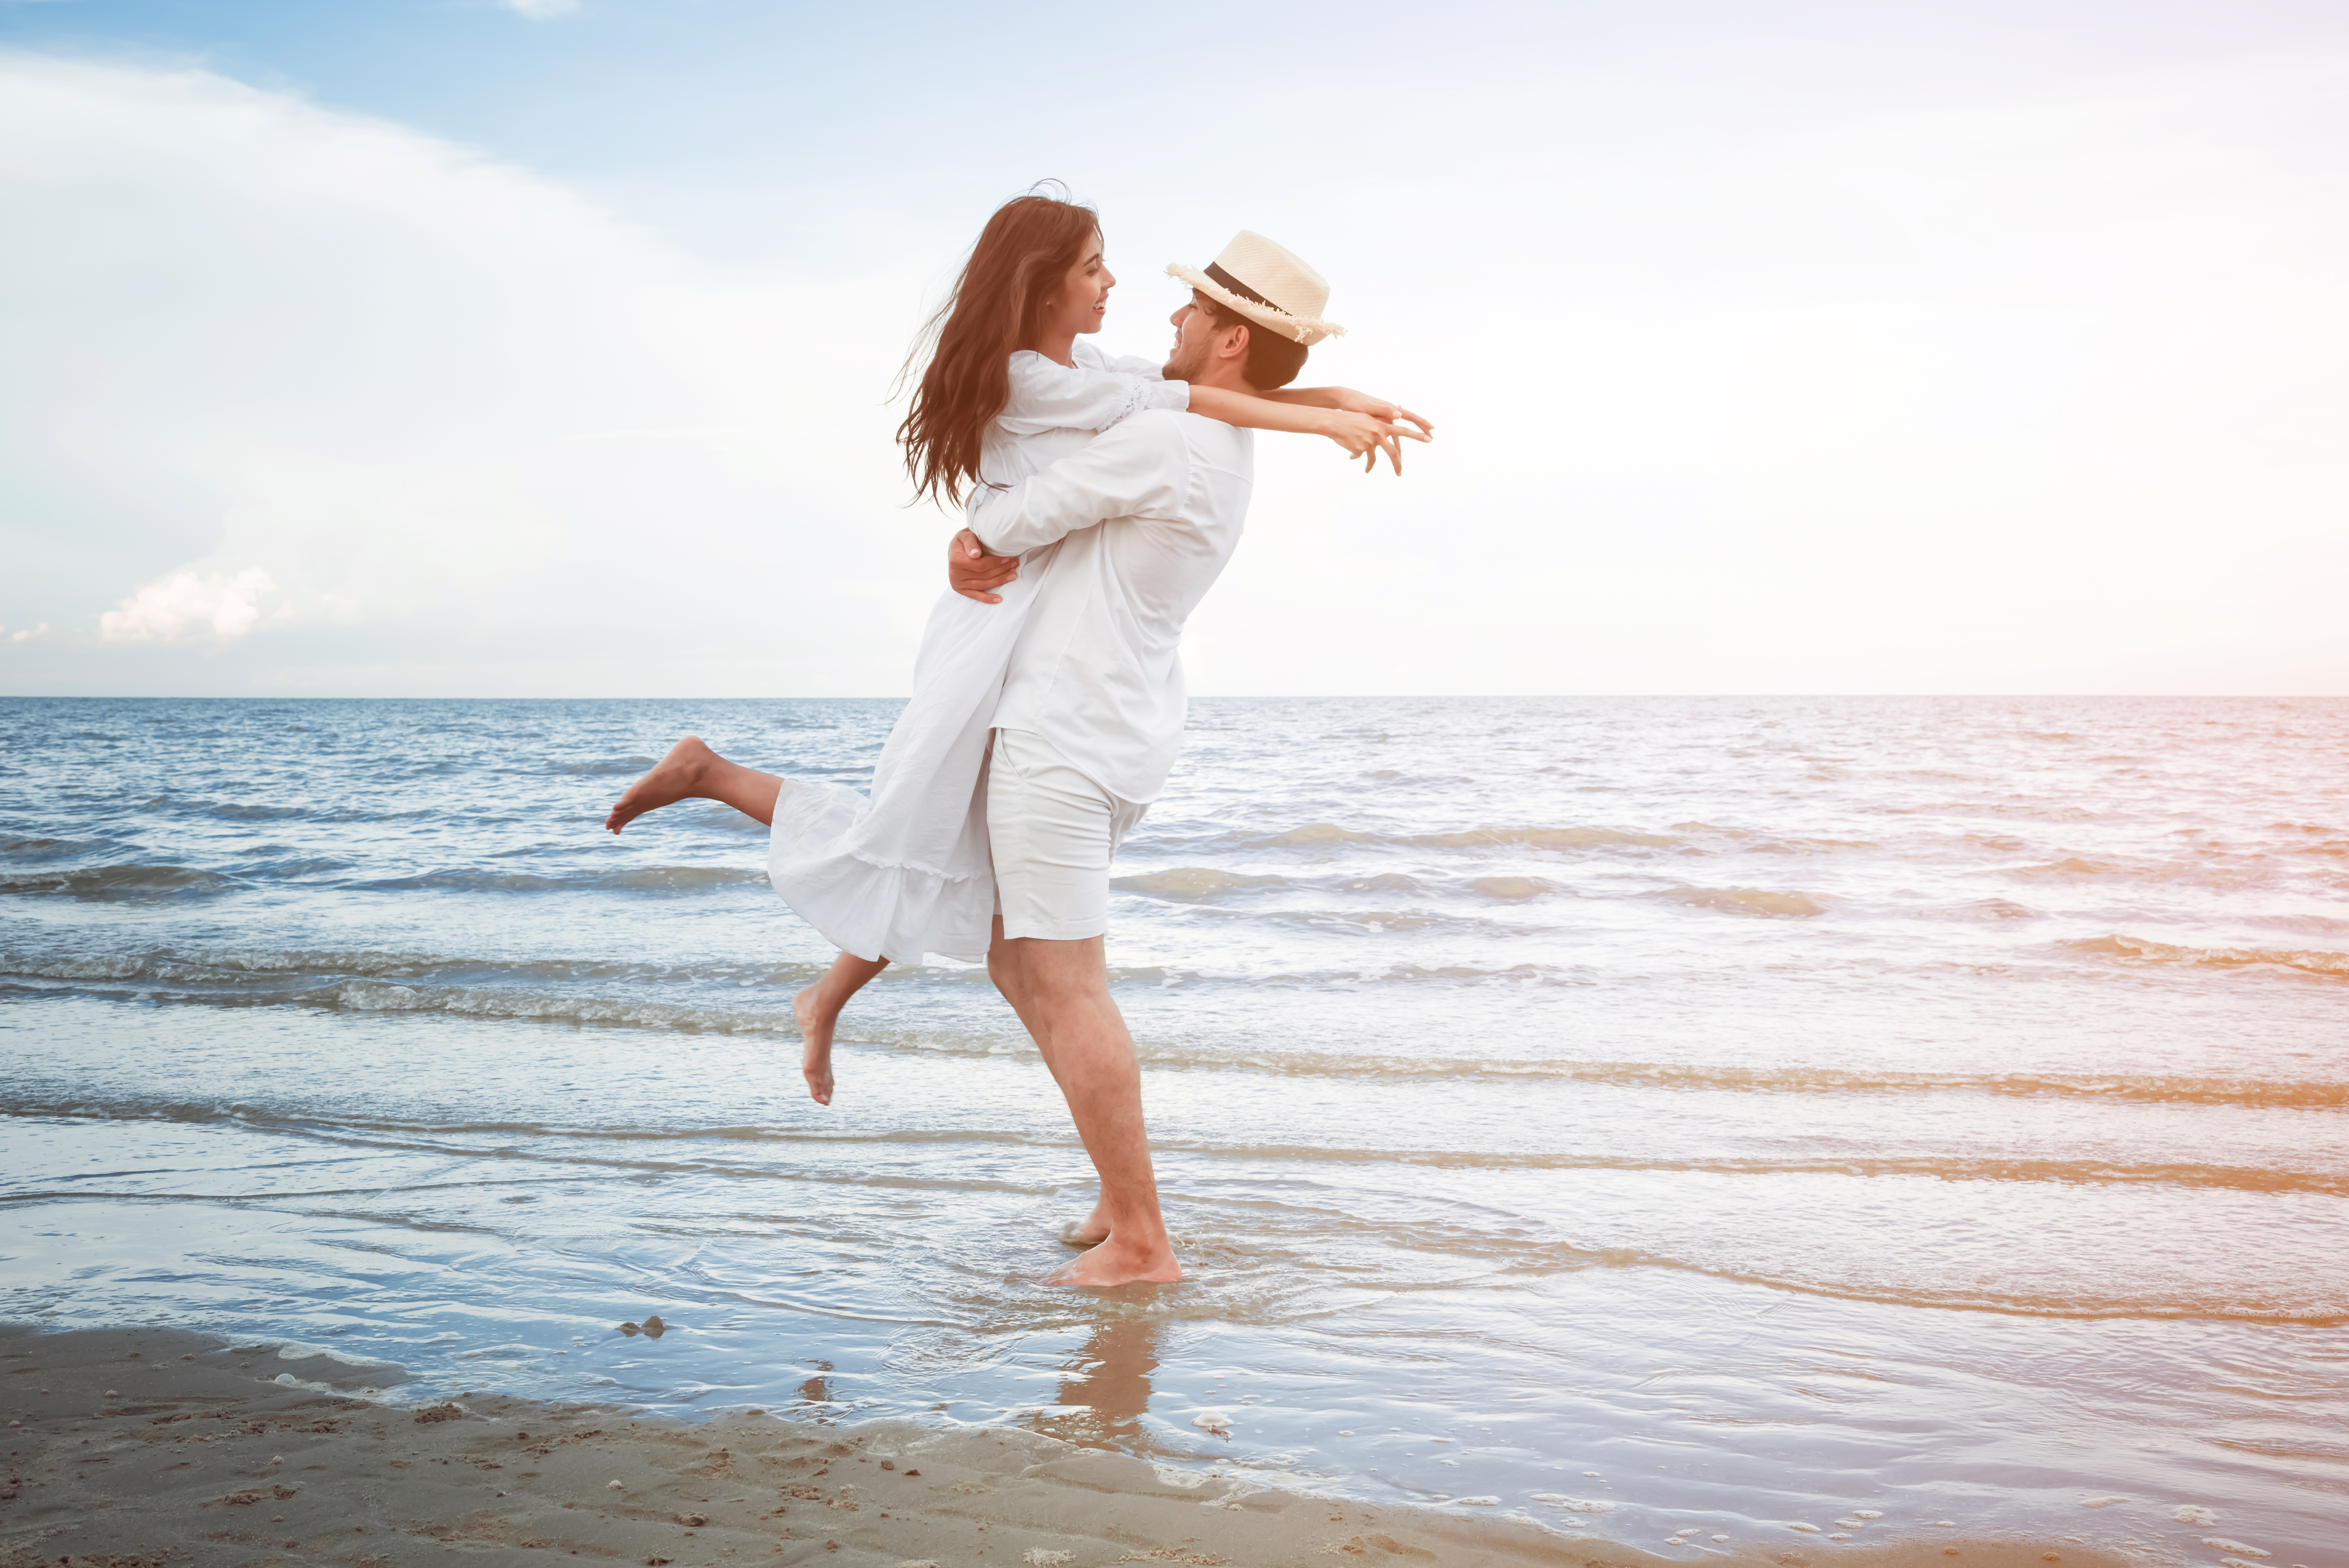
column 1673, row 1119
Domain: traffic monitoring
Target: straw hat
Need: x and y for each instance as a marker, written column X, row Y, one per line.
column 1269, row 284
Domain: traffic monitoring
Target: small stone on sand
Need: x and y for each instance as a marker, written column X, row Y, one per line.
column 1211, row 1422
column 615, row 1486
column 1867, row 1514
column 2193, row 1514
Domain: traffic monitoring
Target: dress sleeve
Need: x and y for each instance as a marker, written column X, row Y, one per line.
column 1050, row 396
column 1138, row 469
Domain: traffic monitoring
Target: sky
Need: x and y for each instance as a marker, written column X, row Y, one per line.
column 546, row 347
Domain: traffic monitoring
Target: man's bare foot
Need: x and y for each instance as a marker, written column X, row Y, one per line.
column 1116, row 1262
column 677, row 777
column 815, row 1052
column 1090, row 1232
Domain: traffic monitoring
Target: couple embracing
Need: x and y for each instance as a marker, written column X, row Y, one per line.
column 1104, row 497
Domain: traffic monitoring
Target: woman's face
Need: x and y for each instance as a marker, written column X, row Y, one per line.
column 1081, row 301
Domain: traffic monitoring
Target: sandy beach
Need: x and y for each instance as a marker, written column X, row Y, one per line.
column 130, row 1447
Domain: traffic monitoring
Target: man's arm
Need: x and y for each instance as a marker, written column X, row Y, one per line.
column 1137, row 469
column 972, row 572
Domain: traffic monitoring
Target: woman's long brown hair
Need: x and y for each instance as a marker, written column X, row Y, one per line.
column 1027, row 247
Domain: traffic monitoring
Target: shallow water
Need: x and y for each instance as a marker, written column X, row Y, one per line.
column 1780, row 1107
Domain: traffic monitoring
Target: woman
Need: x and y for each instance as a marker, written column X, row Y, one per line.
column 1006, row 387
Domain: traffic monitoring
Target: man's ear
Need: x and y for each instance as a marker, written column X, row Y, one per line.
column 1237, row 346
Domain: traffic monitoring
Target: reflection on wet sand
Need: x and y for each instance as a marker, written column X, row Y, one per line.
column 1105, row 1389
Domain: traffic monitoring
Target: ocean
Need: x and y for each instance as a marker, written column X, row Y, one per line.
column 1700, row 1122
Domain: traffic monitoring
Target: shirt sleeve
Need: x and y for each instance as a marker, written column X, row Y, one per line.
column 1050, row 396
column 1138, row 469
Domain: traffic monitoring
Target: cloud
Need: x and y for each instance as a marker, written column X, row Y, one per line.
column 187, row 605
column 460, row 426
column 540, row 10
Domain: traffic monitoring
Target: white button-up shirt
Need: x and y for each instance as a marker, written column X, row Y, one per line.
column 1145, row 517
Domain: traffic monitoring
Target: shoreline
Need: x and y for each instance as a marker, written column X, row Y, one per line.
column 131, row 1448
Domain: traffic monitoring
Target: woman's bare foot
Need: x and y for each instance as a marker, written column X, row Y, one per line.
column 815, row 1054
column 677, row 777
column 1116, row 1262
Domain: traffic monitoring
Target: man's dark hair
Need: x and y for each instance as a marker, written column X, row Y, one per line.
column 1272, row 360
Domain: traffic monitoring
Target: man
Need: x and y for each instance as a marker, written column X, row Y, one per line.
column 1092, row 708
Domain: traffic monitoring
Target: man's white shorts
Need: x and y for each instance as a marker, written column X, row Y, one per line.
column 1053, row 832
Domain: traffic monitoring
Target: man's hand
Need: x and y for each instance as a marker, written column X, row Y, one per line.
column 1365, row 435
column 971, row 570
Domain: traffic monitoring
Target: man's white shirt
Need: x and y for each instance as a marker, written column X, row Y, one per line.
column 1145, row 517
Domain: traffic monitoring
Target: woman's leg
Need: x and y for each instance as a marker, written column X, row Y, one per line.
column 817, row 1008
column 691, row 771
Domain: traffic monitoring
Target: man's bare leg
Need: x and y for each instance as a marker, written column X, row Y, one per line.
column 1007, row 968
column 691, row 771
column 817, row 1008
column 1061, row 991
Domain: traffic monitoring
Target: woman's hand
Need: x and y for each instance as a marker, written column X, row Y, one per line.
column 1365, row 436
column 1355, row 402
column 971, row 570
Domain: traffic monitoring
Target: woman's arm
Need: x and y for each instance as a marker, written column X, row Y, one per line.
column 1363, row 435
column 1348, row 399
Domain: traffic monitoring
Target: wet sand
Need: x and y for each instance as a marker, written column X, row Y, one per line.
column 135, row 1448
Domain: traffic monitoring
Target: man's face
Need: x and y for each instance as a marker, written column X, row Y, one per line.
column 1196, row 333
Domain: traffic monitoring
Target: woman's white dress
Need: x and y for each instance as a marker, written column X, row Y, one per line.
column 905, row 871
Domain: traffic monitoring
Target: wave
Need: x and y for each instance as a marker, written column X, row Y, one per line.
column 439, row 1134
column 645, row 879
column 1762, row 901
column 1980, row 909
column 39, row 848
column 224, row 966
column 118, row 882
column 1301, row 1224
column 1683, row 838
column 1193, row 882
column 406, row 983
column 610, row 766
column 1511, row 889
column 2308, row 961
column 1543, row 839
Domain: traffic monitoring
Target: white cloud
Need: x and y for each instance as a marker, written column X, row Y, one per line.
column 189, row 605
column 540, row 10
column 477, row 433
